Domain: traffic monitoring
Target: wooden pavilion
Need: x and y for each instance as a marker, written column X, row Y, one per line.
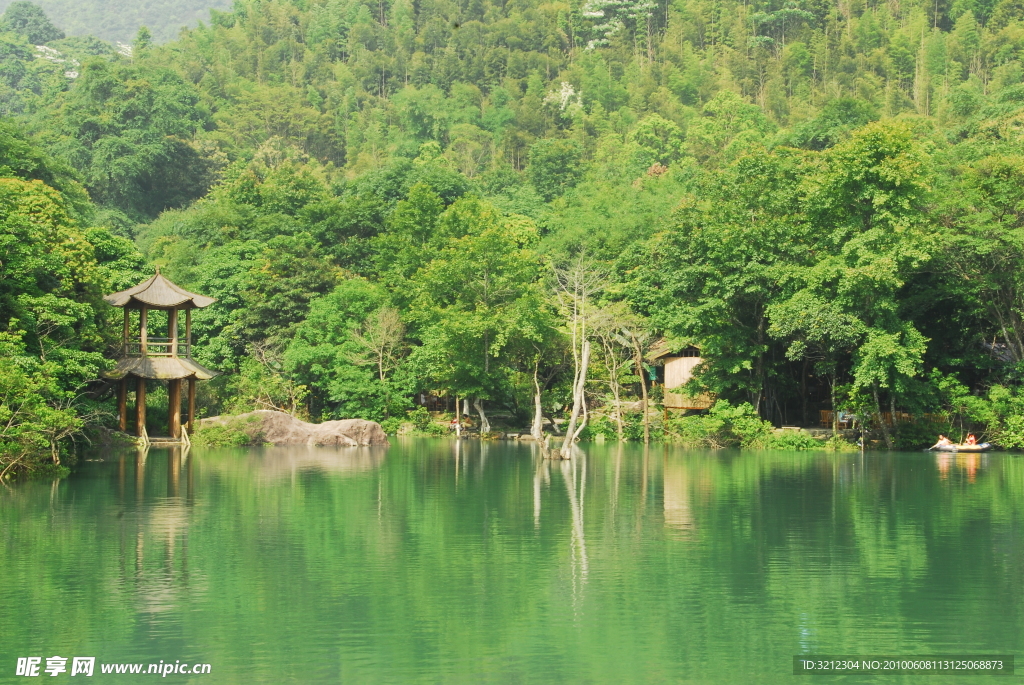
column 157, row 358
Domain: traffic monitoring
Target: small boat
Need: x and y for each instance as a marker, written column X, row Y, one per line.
column 980, row 447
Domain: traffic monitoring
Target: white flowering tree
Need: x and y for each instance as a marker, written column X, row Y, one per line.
column 611, row 17
column 566, row 102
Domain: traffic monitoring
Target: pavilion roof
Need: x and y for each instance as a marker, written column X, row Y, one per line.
column 158, row 293
column 159, row 368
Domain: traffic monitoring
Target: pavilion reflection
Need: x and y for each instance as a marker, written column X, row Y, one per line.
column 155, row 527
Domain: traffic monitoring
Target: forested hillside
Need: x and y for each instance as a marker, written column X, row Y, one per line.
column 392, row 199
column 119, row 20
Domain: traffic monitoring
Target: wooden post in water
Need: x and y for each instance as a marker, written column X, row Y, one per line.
column 174, row 407
column 122, row 404
column 140, row 406
column 191, row 405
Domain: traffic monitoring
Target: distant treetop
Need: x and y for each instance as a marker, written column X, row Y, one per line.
column 29, row 20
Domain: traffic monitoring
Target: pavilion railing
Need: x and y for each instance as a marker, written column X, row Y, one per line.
column 157, row 347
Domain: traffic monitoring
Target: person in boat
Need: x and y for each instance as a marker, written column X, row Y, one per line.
column 943, row 440
column 971, row 440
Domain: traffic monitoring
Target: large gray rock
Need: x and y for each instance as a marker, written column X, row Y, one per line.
column 279, row 428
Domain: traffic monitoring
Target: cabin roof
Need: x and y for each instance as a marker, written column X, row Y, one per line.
column 665, row 348
column 159, row 368
column 158, row 293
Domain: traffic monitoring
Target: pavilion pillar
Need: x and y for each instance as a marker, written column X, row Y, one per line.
column 191, row 405
column 172, row 331
column 124, row 334
column 174, row 407
column 143, row 320
column 122, row 404
column 188, row 337
column 140, row 406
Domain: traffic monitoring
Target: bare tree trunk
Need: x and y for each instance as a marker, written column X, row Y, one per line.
column 647, row 417
column 615, row 390
column 577, row 402
column 554, row 427
column 759, row 367
column 485, row 425
column 584, row 422
column 618, row 413
column 803, row 394
column 537, row 430
column 881, row 422
column 611, row 362
column 892, row 412
column 458, row 419
column 835, row 412
column 638, row 341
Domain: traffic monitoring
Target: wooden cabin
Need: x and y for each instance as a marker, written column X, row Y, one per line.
column 145, row 357
column 679, row 366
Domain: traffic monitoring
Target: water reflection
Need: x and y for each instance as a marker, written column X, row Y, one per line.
column 676, row 481
column 966, row 462
column 573, row 473
column 276, row 463
column 456, row 561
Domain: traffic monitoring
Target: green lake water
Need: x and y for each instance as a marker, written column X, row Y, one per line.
column 442, row 562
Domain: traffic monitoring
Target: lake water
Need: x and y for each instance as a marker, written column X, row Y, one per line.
column 443, row 562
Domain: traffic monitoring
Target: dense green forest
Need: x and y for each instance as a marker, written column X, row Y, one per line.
column 468, row 199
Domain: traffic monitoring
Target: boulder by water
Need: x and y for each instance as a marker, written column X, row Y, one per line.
column 279, row 428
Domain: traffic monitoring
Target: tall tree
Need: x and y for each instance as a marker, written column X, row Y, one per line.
column 576, row 285
column 475, row 301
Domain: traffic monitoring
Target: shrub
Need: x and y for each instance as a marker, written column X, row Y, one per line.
column 726, row 425
column 35, row 413
column 791, row 440
column 420, row 418
column 837, row 443
column 918, row 434
column 391, row 425
column 706, row 430
column 1010, row 433
column 1006, row 424
column 632, row 427
column 600, row 425
column 234, row 432
column 436, row 430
